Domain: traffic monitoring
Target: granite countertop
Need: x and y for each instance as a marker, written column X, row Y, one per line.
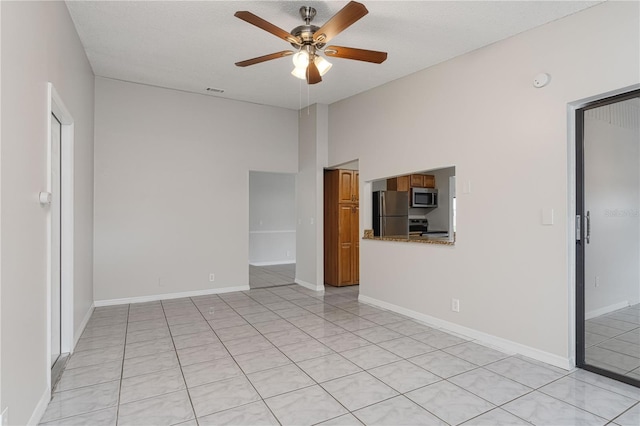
column 425, row 239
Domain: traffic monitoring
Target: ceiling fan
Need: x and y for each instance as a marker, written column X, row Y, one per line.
column 310, row 40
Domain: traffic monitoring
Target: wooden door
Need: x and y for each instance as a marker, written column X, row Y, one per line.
column 355, row 224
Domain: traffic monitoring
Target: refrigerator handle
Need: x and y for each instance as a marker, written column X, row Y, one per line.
column 383, row 213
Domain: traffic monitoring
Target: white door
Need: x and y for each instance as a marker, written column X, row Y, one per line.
column 56, row 311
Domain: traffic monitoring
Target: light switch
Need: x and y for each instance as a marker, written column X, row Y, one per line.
column 466, row 187
column 547, row 216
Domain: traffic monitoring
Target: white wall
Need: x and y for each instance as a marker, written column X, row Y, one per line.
column 272, row 218
column 481, row 112
column 172, row 187
column 312, row 159
column 612, row 195
column 39, row 44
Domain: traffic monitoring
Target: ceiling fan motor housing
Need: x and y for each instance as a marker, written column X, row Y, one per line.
column 305, row 32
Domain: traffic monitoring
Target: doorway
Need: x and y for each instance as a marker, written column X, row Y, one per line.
column 60, row 236
column 55, row 243
column 608, row 237
column 272, row 229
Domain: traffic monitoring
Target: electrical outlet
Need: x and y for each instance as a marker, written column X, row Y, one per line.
column 597, row 283
column 455, row 305
column 212, row 277
column 288, row 253
column 160, row 283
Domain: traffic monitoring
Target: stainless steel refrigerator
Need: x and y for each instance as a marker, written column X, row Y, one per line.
column 391, row 214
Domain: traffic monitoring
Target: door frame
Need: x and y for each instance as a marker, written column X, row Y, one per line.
column 577, row 231
column 56, row 106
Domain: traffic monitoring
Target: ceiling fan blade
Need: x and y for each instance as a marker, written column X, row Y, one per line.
column 267, row 26
column 264, row 58
column 340, row 21
column 313, row 75
column 357, row 54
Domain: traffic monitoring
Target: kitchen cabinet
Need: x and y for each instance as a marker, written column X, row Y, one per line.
column 348, row 186
column 423, row 181
column 399, row 183
column 405, row 183
column 341, row 228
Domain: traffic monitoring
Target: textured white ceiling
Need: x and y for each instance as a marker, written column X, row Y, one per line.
column 192, row 45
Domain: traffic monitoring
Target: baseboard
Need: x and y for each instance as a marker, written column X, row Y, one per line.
column 155, row 297
column 37, row 414
column 273, row 262
column 83, row 325
column 309, row 285
column 605, row 310
column 488, row 339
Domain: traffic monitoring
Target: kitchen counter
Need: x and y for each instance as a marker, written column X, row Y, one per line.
column 422, row 239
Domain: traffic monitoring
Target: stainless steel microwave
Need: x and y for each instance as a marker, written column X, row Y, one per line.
column 424, row 197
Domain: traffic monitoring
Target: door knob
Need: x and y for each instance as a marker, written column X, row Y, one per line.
column 44, row 198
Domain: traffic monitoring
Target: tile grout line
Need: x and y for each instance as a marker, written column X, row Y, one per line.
column 362, row 370
column 258, row 299
column 637, row 404
column 186, row 387
column 304, row 372
column 124, row 351
column 243, row 373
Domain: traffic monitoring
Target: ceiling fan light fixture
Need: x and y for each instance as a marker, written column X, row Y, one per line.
column 301, row 59
column 300, row 72
column 322, row 64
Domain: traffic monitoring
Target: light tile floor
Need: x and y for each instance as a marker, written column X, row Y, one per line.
column 290, row 356
column 613, row 341
column 272, row 275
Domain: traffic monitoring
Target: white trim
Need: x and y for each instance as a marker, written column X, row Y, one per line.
column 310, row 286
column 607, row 309
column 571, row 210
column 284, row 231
column 83, row 325
column 155, row 297
column 487, row 339
column 571, row 232
column 38, row 412
column 56, row 106
column 273, row 262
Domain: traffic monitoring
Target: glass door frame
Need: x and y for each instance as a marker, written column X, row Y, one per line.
column 581, row 233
